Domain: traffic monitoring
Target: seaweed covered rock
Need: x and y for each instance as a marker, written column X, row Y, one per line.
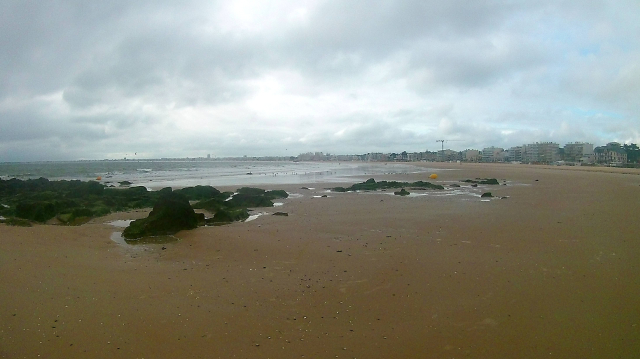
column 199, row 192
column 171, row 214
column 251, row 191
column 212, row 205
column 372, row 185
column 38, row 211
column 75, row 202
column 490, row 181
column 17, row 222
column 229, row 215
column 241, row 200
column 248, row 197
column 402, row 192
column 276, row 193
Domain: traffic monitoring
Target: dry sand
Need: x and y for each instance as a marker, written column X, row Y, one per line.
column 551, row 271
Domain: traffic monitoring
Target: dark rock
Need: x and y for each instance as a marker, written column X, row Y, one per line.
column 489, row 181
column 198, row 193
column 402, row 192
column 474, row 185
column 38, row 211
column 251, row 191
column 171, row 214
column 281, row 214
column 200, row 217
column 65, row 217
column 277, row 193
column 125, row 183
column 18, row 222
column 454, row 185
column 486, row 194
column 241, row 200
column 229, row 215
column 82, row 212
column 372, row 185
column 211, row 205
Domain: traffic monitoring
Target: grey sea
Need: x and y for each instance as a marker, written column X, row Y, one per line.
column 156, row 174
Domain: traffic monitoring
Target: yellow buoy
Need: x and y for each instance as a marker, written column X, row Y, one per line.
column 433, row 176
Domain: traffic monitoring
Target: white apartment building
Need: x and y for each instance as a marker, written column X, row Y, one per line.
column 578, row 152
column 540, row 152
column 492, row 154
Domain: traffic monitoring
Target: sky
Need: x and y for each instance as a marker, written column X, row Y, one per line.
column 150, row 79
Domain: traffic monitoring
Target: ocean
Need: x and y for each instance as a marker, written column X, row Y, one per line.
column 156, row 174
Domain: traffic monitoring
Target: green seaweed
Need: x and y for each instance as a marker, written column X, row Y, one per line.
column 372, row 185
column 489, row 181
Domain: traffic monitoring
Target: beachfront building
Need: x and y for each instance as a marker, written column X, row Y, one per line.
column 611, row 154
column 448, row 155
column 578, row 152
column 430, row 156
column 540, row 152
column 471, row 155
column 514, row 154
column 376, row 157
column 415, row 156
column 492, row 154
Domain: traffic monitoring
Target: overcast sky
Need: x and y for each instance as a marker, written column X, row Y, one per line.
column 146, row 79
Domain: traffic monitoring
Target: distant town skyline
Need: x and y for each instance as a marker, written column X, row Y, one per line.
column 148, row 79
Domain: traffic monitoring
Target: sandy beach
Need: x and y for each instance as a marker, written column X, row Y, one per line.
column 552, row 270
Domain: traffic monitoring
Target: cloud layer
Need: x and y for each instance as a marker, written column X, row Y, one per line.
column 93, row 80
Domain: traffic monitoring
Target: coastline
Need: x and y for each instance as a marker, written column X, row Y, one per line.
column 550, row 271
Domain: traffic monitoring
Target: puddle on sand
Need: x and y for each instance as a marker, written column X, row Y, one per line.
column 122, row 223
column 118, row 238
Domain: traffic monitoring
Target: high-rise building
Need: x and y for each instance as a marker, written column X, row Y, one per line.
column 492, row 154
column 578, row 152
column 515, row 154
column 540, row 152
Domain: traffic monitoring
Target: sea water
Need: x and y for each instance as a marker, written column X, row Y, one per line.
column 156, row 174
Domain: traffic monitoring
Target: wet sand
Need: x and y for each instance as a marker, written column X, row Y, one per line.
column 551, row 271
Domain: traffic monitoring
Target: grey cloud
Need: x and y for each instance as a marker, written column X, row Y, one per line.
column 497, row 71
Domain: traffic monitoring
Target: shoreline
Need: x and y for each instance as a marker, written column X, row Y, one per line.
column 550, row 271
